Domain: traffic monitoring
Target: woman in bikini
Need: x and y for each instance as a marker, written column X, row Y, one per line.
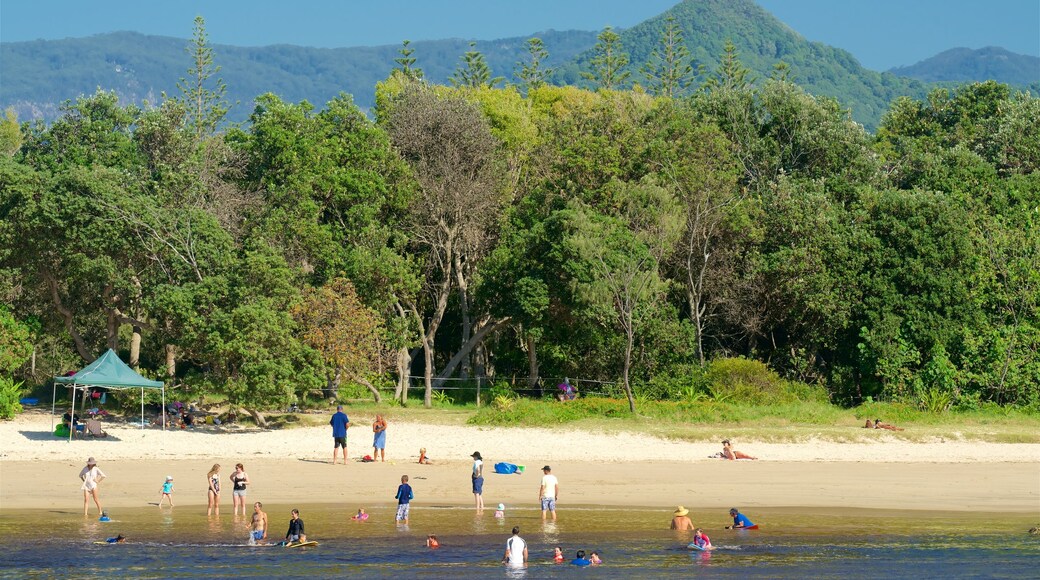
column 239, row 480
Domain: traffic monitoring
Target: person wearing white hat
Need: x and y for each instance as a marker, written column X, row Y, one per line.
column 167, row 491
column 680, row 519
column 91, row 476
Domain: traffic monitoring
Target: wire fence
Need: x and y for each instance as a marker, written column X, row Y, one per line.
column 479, row 388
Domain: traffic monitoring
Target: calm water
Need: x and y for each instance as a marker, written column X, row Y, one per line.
column 182, row 543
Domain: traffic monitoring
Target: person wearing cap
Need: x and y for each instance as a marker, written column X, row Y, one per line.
column 91, row 476
column 166, row 492
column 340, row 423
column 740, row 521
column 478, row 480
column 549, row 492
column 681, row 520
column 501, row 511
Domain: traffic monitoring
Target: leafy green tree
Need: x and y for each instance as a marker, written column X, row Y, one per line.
column 10, row 133
column 533, row 73
column 454, row 158
column 621, row 258
column 406, row 62
column 346, row 333
column 205, row 97
column 608, row 62
column 669, row 71
column 474, row 71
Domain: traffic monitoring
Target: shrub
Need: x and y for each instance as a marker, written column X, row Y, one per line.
column 751, row 382
column 10, row 393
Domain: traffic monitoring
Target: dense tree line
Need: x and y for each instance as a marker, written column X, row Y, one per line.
column 474, row 231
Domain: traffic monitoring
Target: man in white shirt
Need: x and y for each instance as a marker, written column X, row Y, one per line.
column 549, row 492
column 516, row 550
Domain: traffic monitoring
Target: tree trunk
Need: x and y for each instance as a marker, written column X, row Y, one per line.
column 135, row 347
column 467, row 347
column 467, row 323
column 171, row 361
column 331, row 390
column 371, row 387
column 113, row 329
column 629, row 340
column 532, row 364
column 261, row 422
column 404, row 366
column 66, row 315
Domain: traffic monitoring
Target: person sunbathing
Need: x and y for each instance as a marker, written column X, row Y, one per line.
column 879, row 425
column 729, row 453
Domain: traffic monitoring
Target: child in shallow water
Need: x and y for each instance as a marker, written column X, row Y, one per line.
column 431, row 541
column 595, row 559
column 501, row 511
column 558, row 555
column 360, row 516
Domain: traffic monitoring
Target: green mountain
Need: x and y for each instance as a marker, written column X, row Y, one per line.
column 763, row 41
column 38, row 75
column 967, row 65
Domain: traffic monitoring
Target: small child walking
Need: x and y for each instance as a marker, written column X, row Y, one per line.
column 403, row 497
column 167, row 491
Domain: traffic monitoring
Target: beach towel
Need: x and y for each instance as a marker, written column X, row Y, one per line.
column 507, row 468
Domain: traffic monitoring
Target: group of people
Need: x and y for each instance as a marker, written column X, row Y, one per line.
column 517, row 554
column 70, row 424
column 239, row 483
column 340, row 423
column 681, row 522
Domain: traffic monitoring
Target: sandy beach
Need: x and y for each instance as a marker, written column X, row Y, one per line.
column 39, row 471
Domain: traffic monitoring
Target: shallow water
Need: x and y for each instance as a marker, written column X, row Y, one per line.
column 184, row 543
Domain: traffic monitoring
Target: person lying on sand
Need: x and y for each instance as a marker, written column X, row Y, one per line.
column 879, row 425
column 729, row 453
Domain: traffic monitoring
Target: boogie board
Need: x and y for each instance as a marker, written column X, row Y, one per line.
column 693, row 546
column 301, row 544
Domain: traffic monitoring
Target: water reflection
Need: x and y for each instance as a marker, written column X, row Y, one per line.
column 516, row 571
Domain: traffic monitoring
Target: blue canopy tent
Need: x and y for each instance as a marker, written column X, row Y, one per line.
column 110, row 372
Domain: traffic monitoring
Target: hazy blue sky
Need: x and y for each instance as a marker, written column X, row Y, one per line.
column 880, row 33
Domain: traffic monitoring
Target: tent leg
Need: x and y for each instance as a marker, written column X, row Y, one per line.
column 164, row 408
column 142, row 407
column 54, row 395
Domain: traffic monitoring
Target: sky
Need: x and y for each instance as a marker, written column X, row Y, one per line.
column 880, row 33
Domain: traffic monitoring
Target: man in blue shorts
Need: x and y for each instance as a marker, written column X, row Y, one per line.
column 340, row 423
column 549, row 492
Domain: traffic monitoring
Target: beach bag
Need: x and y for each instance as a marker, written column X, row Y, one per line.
column 505, row 468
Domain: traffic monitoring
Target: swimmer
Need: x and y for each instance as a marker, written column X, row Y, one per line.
column 740, row 521
column 580, row 559
column 360, row 516
column 595, row 559
column 701, row 540
column 117, row 540
column 295, row 533
column 104, row 517
column 431, row 541
column 558, row 555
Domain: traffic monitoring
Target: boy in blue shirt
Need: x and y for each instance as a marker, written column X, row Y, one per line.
column 340, row 423
column 581, row 560
column 404, row 495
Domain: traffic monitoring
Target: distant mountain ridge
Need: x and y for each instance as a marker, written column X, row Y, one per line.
column 38, row 75
column 965, row 65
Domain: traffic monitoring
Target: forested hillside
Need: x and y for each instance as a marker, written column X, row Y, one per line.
column 39, row 75
column 965, row 65
column 656, row 244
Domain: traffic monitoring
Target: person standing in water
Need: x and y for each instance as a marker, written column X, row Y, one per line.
column 740, row 521
column 478, row 481
column 239, row 481
column 91, row 476
column 549, row 492
column 516, row 550
column 213, row 494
